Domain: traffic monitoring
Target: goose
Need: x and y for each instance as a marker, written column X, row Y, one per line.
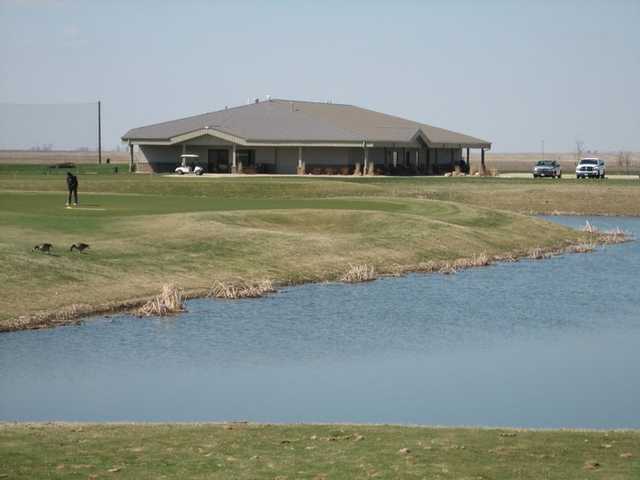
column 43, row 247
column 81, row 247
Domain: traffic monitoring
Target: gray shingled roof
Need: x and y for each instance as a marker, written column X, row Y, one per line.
column 296, row 121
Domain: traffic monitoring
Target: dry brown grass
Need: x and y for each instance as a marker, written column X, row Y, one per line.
column 235, row 290
column 170, row 301
column 359, row 273
column 23, row 157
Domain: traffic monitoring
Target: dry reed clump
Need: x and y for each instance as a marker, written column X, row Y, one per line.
column 582, row 248
column 589, row 228
column 481, row 260
column 170, row 301
column 507, row 257
column 359, row 273
column 538, row 253
column 617, row 235
column 447, row 268
column 232, row 291
column 614, row 236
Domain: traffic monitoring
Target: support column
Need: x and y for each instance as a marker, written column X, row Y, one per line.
column 299, row 157
column 275, row 160
column 482, row 165
column 234, row 166
column 130, row 157
column 184, row 148
column 468, row 162
column 366, row 161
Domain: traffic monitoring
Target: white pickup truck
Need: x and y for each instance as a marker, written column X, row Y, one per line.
column 591, row 168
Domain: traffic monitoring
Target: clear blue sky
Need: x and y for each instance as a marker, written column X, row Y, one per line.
column 512, row 72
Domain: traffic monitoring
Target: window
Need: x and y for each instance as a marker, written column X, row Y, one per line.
column 246, row 157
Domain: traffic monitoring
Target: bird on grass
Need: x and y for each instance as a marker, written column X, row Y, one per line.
column 81, row 247
column 43, row 247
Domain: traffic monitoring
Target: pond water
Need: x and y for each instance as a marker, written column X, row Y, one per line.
column 552, row 343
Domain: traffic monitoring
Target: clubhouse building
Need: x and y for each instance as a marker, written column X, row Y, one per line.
column 278, row 136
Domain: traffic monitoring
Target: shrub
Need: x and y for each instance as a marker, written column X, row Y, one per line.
column 371, row 169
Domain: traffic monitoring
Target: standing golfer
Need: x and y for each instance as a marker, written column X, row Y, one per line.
column 72, row 186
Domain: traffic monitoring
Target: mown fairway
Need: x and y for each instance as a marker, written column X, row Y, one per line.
column 145, row 231
column 312, row 452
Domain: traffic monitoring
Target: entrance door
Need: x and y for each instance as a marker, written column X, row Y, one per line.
column 218, row 161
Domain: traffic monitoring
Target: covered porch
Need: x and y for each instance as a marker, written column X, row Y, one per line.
column 217, row 154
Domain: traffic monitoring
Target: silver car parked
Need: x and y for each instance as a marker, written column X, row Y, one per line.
column 547, row 168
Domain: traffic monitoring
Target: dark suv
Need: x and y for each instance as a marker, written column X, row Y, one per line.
column 547, row 168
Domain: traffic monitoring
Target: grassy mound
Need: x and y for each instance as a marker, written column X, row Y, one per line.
column 141, row 242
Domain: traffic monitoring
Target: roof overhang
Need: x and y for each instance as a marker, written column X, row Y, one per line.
column 416, row 139
column 420, row 135
column 218, row 134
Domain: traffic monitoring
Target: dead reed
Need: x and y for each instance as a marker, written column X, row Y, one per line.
column 607, row 237
column 616, row 235
column 589, row 228
column 359, row 273
column 478, row 260
column 232, row 291
column 538, row 254
column 169, row 301
column 582, row 248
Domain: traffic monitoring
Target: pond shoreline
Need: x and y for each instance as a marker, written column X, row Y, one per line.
column 75, row 314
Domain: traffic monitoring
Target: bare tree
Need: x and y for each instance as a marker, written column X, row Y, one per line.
column 579, row 150
column 624, row 161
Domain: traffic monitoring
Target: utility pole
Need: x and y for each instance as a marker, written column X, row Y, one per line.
column 99, row 134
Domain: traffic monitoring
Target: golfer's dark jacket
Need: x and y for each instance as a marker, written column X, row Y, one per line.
column 72, row 182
